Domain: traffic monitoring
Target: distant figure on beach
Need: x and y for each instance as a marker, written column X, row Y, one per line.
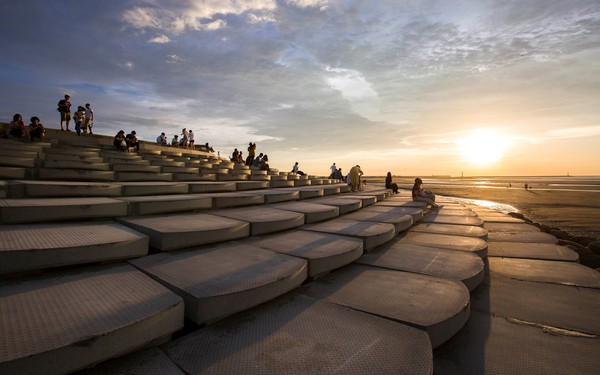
column 17, row 127
column 509, row 185
column 64, row 107
column 296, row 170
column 79, row 117
column 389, row 184
column 174, row 141
column 421, row 195
column 119, row 141
column 89, row 119
column 355, row 173
column 132, row 141
column 526, row 186
column 36, row 129
column 333, row 168
column 338, row 174
column 191, row 139
column 251, row 154
column 162, row 139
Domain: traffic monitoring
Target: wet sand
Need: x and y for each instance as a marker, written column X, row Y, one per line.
column 575, row 212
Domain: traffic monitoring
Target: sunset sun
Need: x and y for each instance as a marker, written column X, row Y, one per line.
column 483, row 147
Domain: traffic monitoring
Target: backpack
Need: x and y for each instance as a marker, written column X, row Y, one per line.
column 61, row 105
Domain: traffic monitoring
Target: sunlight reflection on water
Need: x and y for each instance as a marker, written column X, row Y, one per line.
column 505, row 208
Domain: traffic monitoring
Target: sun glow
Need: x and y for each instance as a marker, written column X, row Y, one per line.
column 483, row 147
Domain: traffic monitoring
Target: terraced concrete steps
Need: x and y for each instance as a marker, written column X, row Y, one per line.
column 438, row 306
column 345, row 205
column 55, row 245
column 312, row 212
column 62, row 322
column 458, row 230
column 400, row 222
column 372, row 234
column 443, row 241
column 298, row 334
column 264, row 220
column 219, row 281
column 323, row 252
column 540, row 251
column 450, row 264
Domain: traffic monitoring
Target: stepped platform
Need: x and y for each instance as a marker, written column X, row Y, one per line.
column 458, row 230
column 435, row 218
column 219, row 281
column 444, row 241
column 42, row 246
column 298, row 334
column 540, row 251
column 175, row 232
column 416, row 213
column 164, row 204
column 313, row 212
column 373, row 234
column 62, row 322
column 345, row 205
column 324, row 252
column 438, row 306
column 450, row 264
column 264, row 220
column 400, row 222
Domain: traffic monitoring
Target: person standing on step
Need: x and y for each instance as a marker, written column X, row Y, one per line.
column 355, row 173
column 183, row 141
column 251, row 154
column 64, row 107
column 389, row 184
column 79, row 117
column 191, row 139
column 333, row 169
column 89, row 119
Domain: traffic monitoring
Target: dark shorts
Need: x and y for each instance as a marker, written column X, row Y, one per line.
column 65, row 116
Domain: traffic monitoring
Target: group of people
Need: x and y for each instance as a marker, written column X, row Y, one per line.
column 83, row 117
column 18, row 129
column 127, row 142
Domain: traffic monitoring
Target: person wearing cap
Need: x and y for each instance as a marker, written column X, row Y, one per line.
column 355, row 173
column 421, row 195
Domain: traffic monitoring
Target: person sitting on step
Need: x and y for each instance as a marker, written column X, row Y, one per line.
column 132, row 141
column 421, row 195
column 119, row 141
column 295, row 169
column 17, row 127
column 36, row 129
column 389, row 184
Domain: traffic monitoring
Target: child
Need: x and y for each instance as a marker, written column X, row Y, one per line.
column 79, row 117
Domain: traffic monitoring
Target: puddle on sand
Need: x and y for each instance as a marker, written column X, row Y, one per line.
column 505, row 208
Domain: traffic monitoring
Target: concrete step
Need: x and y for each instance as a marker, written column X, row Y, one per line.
column 174, row 232
column 465, row 267
column 137, row 168
column 39, row 210
column 68, row 157
column 231, row 200
column 308, row 193
column 75, row 175
column 433, row 217
column 264, row 220
column 164, row 204
column 56, row 245
column 366, row 200
column 510, row 227
column 302, row 183
column 193, row 177
column 444, row 241
column 251, row 185
column 281, row 184
column 231, row 177
column 276, row 195
column 439, row 306
column 313, row 212
column 372, row 234
column 545, row 271
column 298, row 334
column 153, row 188
column 62, row 189
column 189, row 170
column 79, row 151
column 143, row 176
column 415, row 212
column 400, row 222
column 457, row 230
column 16, row 161
column 323, row 252
column 222, row 280
column 500, row 219
column 345, row 205
column 81, row 318
column 13, row 173
column 395, row 202
column 539, row 251
column 76, row 164
column 522, row 237
column 152, row 361
column 211, row 187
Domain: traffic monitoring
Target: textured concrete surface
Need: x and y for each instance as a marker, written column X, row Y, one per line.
column 297, row 334
column 444, row 241
column 264, row 220
column 313, row 212
column 324, row 252
column 400, row 222
column 345, row 205
column 59, row 323
column 373, row 234
column 434, row 217
column 541, row 251
column 222, row 280
column 439, row 306
column 456, row 265
column 457, row 230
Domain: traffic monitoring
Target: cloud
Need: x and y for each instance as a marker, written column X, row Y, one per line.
column 161, row 39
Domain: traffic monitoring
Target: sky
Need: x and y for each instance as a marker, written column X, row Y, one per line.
column 414, row 87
